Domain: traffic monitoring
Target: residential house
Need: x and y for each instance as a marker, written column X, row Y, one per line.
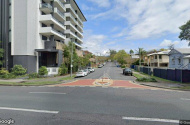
column 179, row 58
column 158, row 59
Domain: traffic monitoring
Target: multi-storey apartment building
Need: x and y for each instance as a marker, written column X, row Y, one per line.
column 39, row 29
column 5, row 32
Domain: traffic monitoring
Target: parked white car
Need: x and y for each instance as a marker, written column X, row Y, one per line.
column 81, row 73
column 87, row 71
column 91, row 69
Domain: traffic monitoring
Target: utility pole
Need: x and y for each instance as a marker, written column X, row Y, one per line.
column 140, row 56
column 72, row 57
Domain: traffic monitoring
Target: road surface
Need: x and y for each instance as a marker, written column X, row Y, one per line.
column 94, row 105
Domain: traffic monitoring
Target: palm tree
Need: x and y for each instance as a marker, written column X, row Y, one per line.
column 141, row 53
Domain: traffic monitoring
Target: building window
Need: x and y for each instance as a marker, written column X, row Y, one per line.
column 179, row 61
column 173, row 61
column 160, row 56
column 155, row 56
column 189, row 60
column 44, row 37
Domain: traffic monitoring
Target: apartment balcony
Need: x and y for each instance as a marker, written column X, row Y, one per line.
column 59, row 15
column 48, row 31
column 68, row 23
column 49, row 19
column 46, row 8
column 79, row 39
column 77, row 44
column 47, row 1
column 72, row 34
column 59, row 5
column 71, row 17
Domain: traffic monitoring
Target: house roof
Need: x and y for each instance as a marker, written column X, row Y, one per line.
column 187, row 57
column 184, row 50
column 160, row 53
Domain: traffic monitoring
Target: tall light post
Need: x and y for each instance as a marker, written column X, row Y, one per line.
column 72, row 40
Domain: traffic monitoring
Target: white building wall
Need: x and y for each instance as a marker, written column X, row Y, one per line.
column 26, row 27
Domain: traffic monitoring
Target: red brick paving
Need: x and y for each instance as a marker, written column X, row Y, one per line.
column 116, row 83
column 120, row 83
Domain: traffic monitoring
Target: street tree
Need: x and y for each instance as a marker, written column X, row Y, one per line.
column 121, row 56
column 185, row 32
column 112, row 54
column 131, row 51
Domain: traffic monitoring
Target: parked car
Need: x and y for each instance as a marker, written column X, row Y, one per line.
column 87, row 71
column 81, row 73
column 127, row 71
column 91, row 69
column 100, row 66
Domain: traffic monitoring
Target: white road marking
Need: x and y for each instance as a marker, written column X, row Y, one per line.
column 29, row 110
column 104, row 87
column 47, row 93
column 151, row 119
column 128, row 88
column 185, row 99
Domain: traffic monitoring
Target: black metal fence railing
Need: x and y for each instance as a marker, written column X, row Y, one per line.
column 179, row 75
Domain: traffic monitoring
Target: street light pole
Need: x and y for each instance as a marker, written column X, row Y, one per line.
column 72, row 57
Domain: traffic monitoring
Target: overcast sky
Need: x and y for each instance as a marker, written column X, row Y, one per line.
column 129, row 24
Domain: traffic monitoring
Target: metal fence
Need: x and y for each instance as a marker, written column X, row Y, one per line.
column 178, row 75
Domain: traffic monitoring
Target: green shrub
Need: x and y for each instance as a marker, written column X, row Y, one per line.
column 4, row 72
column 145, row 79
column 43, row 71
column 63, row 70
column 33, row 75
column 123, row 66
column 6, row 75
column 18, row 70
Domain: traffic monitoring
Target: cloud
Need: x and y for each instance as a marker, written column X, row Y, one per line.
column 177, row 44
column 148, row 18
column 101, row 3
column 85, row 7
column 111, row 43
column 94, row 42
column 167, row 43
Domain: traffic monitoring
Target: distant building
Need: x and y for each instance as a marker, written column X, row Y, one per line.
column 86, row 52
column 179, row 58
column 133, row 56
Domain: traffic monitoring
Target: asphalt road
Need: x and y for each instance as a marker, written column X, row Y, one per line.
column 111, row 70
column 93, row 105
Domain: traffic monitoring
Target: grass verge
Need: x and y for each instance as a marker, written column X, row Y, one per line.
column 37, row 83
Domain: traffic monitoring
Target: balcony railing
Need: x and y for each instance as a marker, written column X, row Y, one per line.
column 58, row 32
column 61, row 4
column 78, row 44
column 62, row 24
column 46, row 5
column 61, row 13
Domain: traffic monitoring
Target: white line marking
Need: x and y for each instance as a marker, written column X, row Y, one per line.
column 29, row 110
column 128, row 88
column 185, row 99
column 47, row 93
column 151, row 119
column 104, row 87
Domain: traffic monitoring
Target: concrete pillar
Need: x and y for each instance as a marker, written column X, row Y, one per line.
column 158, row 60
